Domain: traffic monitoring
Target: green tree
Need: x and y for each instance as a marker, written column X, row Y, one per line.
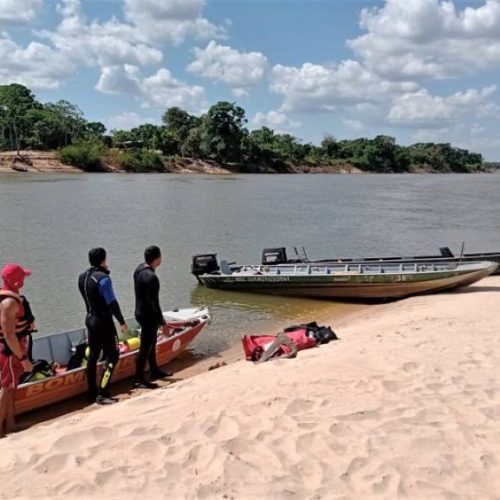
column 15, row 102
column 223, row 131
column 177, row 123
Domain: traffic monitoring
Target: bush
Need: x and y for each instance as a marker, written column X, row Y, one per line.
column 85, row 155
column 140, row 161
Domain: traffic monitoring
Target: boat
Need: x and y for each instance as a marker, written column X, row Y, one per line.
column 347, row 281
column 206, row 263
column 184, row 326
column 279, row 256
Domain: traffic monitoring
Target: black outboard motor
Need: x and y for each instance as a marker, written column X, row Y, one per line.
column 272, row 256
column 204, row 264
column 446, row 252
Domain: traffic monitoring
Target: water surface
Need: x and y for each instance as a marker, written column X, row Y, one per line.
column 49, row 222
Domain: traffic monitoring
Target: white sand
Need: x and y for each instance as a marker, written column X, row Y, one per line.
column 405, row 405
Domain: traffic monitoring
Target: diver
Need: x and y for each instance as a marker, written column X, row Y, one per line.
column 97, row 292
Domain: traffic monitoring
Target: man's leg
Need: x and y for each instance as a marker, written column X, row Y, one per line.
column 148, row 338
column 4, row 406
column 94, row 342
column 111, row 356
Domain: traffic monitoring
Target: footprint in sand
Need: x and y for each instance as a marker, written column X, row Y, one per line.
column 410, row 367
column 223, row 429
column 492, row 412
column 391, row 385
column 53, row 463
column 298, row 406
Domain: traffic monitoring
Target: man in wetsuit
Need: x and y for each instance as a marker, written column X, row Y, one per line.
column 149, row 316
column 97, row 292
column 15, row 326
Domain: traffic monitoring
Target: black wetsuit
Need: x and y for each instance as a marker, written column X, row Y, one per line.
column 97, row 292
column 148, row 314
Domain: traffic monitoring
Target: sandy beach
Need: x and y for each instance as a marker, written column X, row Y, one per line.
column 405, row 405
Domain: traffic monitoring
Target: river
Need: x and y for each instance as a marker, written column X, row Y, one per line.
column 49, row 222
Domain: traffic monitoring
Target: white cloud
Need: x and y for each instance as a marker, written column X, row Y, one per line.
column 19, row 11
column 240, row 93
column 240, row 70
column 423, row 109
column 128, row 120
column 429, row 39
column 170, row 20
column 314, row 87
column 99, row 44
column 277, row 120
column 160, row 90
column 354, row 125
column 37, row 66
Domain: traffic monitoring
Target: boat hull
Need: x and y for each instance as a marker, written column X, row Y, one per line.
column 31, row 396
column 349, row 286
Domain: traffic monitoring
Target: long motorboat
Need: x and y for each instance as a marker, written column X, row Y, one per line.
column 184, row 326
column 207, row 263
column 347, row 281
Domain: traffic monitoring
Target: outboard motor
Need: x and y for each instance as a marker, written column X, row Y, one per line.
column 204, row 264
column 272, row 256
column 446, row 252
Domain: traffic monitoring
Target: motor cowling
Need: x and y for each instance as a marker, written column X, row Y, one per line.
column 272, row 256
column 204, row 264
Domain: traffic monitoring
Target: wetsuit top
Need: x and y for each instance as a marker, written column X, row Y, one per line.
column 97, row 292
column 147, row 290
column 24, row 318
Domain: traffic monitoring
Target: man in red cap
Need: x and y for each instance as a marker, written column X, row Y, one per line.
column 15, row 324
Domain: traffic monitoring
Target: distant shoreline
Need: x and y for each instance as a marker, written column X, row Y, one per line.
column 49, row 162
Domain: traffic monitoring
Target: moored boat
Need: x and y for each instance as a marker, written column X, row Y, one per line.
column 185, row 325
column 207, row 263
column 279, row 256
column 347, row 281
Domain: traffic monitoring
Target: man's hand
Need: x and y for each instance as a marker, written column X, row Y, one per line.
column 165, row 330
column 27, row 365
column 124, row 328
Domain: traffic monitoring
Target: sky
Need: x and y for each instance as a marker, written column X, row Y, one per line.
column 417, row 70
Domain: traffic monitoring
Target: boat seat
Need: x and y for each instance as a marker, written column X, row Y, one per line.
column 224, row 267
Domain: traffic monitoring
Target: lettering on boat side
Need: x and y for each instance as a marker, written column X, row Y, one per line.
column 258, row 279
column 126, row 364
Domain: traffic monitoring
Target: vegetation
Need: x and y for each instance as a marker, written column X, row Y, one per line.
column 86, row 155
column 219, row 136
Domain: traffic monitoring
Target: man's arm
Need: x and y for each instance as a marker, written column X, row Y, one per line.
column 107, row 292
column 8, row 309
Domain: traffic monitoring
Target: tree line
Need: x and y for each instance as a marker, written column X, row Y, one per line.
column 219, row 135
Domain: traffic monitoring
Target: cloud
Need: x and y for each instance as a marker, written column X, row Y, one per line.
column 276, row 120
column 36, row 66
column 420, row 39
column 314, row 87
column 99, row 44
column 354, row 125
column 19, row 11
column 159, row 90
column 240, row 70
column 422, row 109
column 128, row 120
column 170, row 20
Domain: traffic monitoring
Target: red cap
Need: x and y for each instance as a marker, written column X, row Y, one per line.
column 14, row 272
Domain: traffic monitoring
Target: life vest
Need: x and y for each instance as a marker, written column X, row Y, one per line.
column 24, row 317
column 256, row 345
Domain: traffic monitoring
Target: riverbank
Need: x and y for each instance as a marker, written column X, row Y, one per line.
column 406, row 404
column 49, row 162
